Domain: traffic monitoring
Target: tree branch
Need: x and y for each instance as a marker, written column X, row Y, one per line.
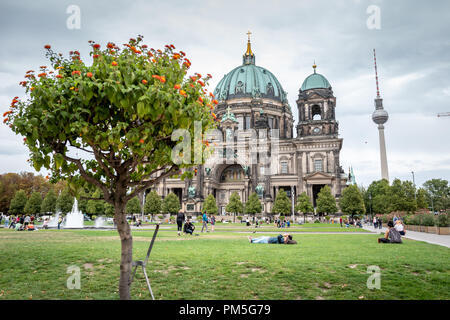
column 149, row 183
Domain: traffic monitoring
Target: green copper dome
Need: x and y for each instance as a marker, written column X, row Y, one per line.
column 315, row 81
column 249, row 80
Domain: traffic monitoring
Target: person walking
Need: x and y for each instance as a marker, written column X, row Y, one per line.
column 59, row 222
column 379, row 223
column 6, row 221
column 375, row 222
column 180, row 220
column 205, row 221
column 212, row 218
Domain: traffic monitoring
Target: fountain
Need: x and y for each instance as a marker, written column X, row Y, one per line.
column 75, row 219
column 100, row 222
column 53, row 222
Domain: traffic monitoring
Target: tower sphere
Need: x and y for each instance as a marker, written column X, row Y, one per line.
column 380, row 116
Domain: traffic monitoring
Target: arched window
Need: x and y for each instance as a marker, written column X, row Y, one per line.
column 316, row 112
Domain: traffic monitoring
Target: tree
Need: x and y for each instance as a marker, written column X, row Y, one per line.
column 282, row 205
column 64, row 203
column 121, row 114
column 49, row 203
column 439, row 193
column 351, row 201
column 381, row 194
column 235, row 205
column 18, row 203
column 422, row 198
column 253, row 204
column 133, row 206
column 210, row 205
column 402, row 196
column 171, row 204
column 326, row 203
column 34, row 203
column 304, row 205
column 108, row 209
column 153, row 204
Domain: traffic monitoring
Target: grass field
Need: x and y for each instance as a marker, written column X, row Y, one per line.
column 222, row 265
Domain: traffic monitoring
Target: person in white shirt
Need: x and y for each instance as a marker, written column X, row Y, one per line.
column 400, row 227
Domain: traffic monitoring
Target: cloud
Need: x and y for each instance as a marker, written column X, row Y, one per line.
column 413, row 54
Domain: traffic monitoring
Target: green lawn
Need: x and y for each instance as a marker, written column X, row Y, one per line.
column 221, row 265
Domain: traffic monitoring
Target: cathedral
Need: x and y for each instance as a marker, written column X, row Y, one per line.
column 258, row 151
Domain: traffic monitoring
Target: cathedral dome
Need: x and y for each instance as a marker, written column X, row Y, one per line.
column 249, row 80
column 315, row 81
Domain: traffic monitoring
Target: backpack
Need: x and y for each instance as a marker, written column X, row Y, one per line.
column 395, row 236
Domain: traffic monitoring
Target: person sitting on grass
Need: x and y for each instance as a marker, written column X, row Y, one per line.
column 280, row 239
column 400, row 227
column 30, row 227
column 391, row 235
column 189, row 227
column 18, row 227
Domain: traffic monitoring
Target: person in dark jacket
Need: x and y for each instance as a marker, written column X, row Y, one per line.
column 180, row 220
column 391, row 235
column 189, row 227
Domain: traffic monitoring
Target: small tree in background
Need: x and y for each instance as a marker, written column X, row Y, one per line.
column 282, row 205
column 326, row 203
column 422, row 199
column 253, row 204
column 210, row 205
column 171, row 204
column 234, row 205
column 304, row 205
column 153, row 204
column 18, row 203
column 34, row 203
column 133, row 206
column 49, row 203
column 64, row 202
column 351, row 201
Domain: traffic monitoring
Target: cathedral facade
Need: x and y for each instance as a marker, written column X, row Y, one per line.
column 258, row 150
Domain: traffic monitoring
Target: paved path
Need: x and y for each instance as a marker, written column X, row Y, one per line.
column 438, row 239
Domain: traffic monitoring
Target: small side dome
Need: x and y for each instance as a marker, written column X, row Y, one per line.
column 315, row 81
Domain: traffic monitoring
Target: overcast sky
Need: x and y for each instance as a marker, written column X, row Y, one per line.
column 413, row 55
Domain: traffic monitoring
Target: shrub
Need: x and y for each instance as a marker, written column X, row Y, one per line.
column 239, row 218
column 327, row 218
column 442, row 220
column 160, row 217
column 282, row 217
column 428, row 220
column 317, row 221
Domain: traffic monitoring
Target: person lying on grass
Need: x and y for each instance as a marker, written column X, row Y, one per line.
column 280, row 239
column 391, row 235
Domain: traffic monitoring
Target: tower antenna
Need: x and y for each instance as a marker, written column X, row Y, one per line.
column 376, row 73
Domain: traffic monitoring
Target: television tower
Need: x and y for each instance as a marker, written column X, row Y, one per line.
column 380, row 117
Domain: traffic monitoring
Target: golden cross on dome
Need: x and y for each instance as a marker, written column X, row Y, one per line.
column 249, row 33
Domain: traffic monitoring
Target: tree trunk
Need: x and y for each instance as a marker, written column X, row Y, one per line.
column 127, row 251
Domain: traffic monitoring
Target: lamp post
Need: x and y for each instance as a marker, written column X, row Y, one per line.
column 370, row 205
column 414, row 186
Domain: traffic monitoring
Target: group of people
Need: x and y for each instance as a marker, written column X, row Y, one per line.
column 377, row 223
column 189, row 227
column 19, row 223
column 282, row 224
